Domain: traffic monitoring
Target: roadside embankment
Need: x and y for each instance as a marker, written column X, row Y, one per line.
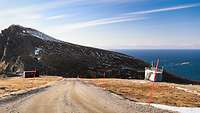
column 18, row 85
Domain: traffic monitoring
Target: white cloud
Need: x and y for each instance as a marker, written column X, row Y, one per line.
column 55, row 17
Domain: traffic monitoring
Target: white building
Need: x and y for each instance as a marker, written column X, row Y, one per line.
column 154, row 73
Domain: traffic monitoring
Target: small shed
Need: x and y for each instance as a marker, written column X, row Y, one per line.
column 30, row 74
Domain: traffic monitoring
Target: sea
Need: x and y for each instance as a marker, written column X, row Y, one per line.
column 184, row 63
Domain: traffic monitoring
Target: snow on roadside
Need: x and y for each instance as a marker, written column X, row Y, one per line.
column 189, row 91
column 174, row 108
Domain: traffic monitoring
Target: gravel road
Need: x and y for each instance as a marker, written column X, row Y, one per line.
column 74, row 96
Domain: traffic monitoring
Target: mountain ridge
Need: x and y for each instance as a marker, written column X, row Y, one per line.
column 24, row 48
column 22, row 42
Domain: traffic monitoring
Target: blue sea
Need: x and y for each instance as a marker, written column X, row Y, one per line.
column 185, row 63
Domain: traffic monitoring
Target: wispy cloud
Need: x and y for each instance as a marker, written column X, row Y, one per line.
column 56, row 17
column 131, row 16
column 97, row 22
column 35, row 13
column 164, row 9
column 33, row 8
column 109, row 1
column 30, row 15
column 59, row 18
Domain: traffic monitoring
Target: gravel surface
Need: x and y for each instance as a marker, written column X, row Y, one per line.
column 74, row 96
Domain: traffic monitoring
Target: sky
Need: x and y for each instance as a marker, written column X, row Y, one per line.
column 110, row 24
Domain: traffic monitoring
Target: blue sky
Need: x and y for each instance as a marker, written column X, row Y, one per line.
column 110, row 24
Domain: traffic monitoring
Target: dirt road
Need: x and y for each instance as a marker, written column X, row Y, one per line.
column 74, row 96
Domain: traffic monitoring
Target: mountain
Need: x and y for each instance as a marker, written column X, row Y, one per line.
column 24, row 48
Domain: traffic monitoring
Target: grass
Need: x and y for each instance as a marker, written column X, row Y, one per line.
column 144, row 91
column 17, row 83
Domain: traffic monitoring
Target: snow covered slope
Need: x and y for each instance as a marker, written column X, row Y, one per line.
column 36, row 33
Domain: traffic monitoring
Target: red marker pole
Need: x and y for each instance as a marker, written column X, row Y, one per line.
column 156, row 69
column 150, row 100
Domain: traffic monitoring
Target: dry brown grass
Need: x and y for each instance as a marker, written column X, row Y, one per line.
column 16, row 84
column 143, row 91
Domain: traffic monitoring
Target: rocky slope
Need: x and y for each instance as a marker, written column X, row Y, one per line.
column 25, row 49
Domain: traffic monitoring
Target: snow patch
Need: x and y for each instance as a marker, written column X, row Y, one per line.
column 179, row 109
column 37, row 50
column 41, row 35
column 189, row 91
column 174, row 108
